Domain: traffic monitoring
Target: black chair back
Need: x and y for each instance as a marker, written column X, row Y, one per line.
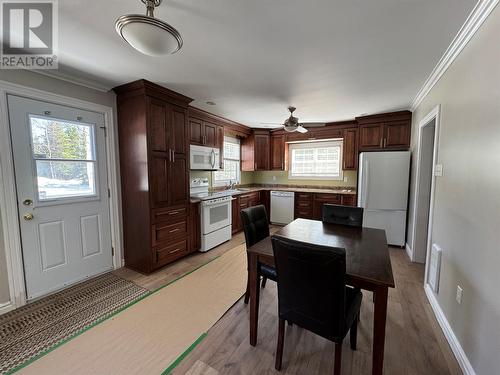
column 311, row 286
column 345, row 215
column 255, row 224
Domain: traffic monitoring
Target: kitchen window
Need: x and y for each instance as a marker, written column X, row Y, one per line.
column 318, row 160
column 231, row 172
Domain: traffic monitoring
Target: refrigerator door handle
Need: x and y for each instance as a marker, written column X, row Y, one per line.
column 366, row 168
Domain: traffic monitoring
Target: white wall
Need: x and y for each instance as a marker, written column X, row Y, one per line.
column 40, row 82
column 467, row 201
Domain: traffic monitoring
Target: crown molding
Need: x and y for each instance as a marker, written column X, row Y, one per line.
column 76, row 81
column 476, row 18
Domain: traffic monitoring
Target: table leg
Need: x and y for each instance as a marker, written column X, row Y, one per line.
column 254, row 298
column 379, row 320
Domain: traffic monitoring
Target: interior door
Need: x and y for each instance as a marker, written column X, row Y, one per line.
column 61, row 179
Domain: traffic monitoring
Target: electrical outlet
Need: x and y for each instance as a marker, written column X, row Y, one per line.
column 346, row 179
column 274, row 178
column 460, row 292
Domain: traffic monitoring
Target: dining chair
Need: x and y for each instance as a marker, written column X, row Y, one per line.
column 345, row 215
column 256, row 228
column 312, row 294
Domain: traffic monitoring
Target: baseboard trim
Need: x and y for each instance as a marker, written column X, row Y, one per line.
column 409, row 251
column 6, row 307
column 459, row 353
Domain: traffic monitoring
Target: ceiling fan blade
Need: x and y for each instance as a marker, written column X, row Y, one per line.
column 312, row 124
column 301, row 129
column 276, row 129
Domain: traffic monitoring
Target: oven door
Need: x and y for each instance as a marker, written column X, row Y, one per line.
column 204, row 158
column 215, row 216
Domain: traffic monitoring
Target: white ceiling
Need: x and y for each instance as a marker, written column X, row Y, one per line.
column 332, row 59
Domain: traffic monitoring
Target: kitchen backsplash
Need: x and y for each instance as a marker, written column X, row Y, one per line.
column 281, row 178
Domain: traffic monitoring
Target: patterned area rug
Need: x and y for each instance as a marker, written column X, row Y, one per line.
column 40, row 326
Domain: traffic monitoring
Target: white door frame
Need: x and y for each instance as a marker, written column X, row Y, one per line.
column 434, row 114
column 8, row 193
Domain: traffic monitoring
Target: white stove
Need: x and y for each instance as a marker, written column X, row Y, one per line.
column 215, row 214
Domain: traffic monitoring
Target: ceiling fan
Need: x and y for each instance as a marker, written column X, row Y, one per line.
column 292, row 123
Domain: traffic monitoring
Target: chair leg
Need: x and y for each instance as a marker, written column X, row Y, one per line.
column 264, row 280
column 338, row 359
column 281, row 342
column 354, row 333
column 247, row 293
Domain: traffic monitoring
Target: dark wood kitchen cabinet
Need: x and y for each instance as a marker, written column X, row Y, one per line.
column 204, row 133
column 235, row 215
column 154, row 168
column 195, row 226
column 240, row 202
column 303, row 205
column 255, row 151
column 350, row 149
column 277, row 152
column 320, row 199
column 389, row 131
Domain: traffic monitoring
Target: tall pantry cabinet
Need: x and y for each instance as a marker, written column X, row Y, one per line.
column 154, row 168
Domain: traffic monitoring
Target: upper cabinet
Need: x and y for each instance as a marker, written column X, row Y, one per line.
column 350, row 149
column 390, row 131
column 277, row 152
column 203, row 133
column 255, row 151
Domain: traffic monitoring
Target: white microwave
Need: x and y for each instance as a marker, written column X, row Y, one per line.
column 205, row 158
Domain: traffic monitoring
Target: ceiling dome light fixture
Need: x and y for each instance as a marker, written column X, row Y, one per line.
column 147, row 34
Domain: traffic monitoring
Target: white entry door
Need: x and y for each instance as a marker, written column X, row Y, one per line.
column 61, row 178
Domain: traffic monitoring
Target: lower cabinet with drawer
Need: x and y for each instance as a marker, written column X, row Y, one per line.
column 170, row 251
column 303, row 205
column 320, row 199
column 240, row 202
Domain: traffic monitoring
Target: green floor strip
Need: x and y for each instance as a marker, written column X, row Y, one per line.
column 183, row 355
column 177, row 361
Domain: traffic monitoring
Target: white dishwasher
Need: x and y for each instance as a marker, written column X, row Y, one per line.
column 282, row 206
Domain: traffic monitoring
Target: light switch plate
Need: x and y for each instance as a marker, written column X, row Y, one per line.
column 346, row 179
column 438, row 170
column 460, row 292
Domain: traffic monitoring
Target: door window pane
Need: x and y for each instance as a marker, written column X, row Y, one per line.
column 65, row 179
column 65, row 160
column 54, row 139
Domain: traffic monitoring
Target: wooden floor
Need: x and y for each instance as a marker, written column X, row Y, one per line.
column 414, row 342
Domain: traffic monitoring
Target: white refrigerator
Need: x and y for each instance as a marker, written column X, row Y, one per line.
column 383, row 192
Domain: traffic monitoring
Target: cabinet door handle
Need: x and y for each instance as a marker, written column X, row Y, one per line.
column 173, row 212
column 385, row 142
column 176, row 250
column 174, row 230
column 381, row 142
column 255, row 166
column 173, row 156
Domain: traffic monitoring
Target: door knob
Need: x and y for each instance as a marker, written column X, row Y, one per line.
column 27, row 202
column 28, row 217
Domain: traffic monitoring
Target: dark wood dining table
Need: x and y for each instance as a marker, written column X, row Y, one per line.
column 368, row 267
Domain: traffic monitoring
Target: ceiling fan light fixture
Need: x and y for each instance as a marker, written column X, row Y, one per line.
column 147, row 34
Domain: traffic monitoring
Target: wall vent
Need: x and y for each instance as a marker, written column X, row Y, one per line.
column 435, row 267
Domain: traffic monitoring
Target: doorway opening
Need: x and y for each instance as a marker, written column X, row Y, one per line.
column 424, row 189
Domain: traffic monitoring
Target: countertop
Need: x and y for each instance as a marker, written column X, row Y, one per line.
column 250, row 189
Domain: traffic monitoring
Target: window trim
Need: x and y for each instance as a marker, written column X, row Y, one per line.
column 314, row 144
column 218, row 183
